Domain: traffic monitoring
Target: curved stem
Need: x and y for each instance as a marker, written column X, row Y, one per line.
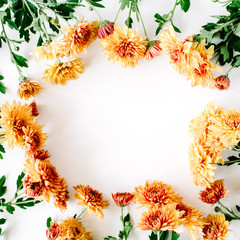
column 81, row 213
column 230, row 162
column 227, row 73
column 21, row 76
column 144, row 29
column 95, row 10
column 229, row 211
column 173, row 10
column 117, row 14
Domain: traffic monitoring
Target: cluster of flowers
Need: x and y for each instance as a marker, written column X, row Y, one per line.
column 214, row 130
column 125, row 46
column 20, row 128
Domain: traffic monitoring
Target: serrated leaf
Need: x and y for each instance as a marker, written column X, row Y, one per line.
column 49, row 220
column 206, row 35
column 175, row 235
column 225, row 53
column 21, row 61
column 2, row 221
column 185, row 5
column 10, row 209
column 236, row 62
column 11, row 24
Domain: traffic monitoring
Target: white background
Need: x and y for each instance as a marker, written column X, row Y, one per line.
column 115, row 128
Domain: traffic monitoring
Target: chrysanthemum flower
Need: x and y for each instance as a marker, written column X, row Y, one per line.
column 222, row 83
column 227, row 127
column 201, row 166
column 191, row 220
column 161, row 219
column 122, row 199
column 92, row 199
column 28, row 89
column 33, row 189
column 52, row 184
column 60, row 73
column 53, row 231
column 216, row 227
column 202, row 75
column 105, row 30
column 72, row 228
column 199, row 127
column 181, row 55
column 76, row 39
column 13, row 119
column 153, row 50
column 34, row 108
column 214, row 193
column 34, row 138
column 124, row 46
column 155, row 194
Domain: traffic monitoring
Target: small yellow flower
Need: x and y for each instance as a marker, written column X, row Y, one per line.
column 92, row 199
column 161, row 219
column 124, row 46
column 155, row 194
column 60, row 73
column 13, row 118
column 28, row 89
column 181, row 55
column 216, row 227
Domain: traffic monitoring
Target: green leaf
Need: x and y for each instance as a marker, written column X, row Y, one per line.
column 2, row 221
column 175, row 28
column 159, row 17
column 164, row 235
column 217, row 209
column 10, row 209
column 225, row 53
column 2, row 88
column 185, row 5
column 127, row 229
column 1, row 77
column 110, row 238
column 49, row 220
column 21, row 61
column 3, row 190
column 238, row 208
column 153, row 236
column 19, row 181
column 175, row 235
column 236, row 61
column 206, row 35
column 129, row 22
column 11, row 24
column 95, row 4
column 2, row 181
column 126, row 218
column 2, row 148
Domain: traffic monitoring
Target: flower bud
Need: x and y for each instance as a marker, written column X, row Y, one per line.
column 222, row 82
column 105, row 30
column 122, row 199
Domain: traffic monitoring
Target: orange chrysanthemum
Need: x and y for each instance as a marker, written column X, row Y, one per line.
column 53, row 231
column 161, row 219
column 153, row 50
column 60, row 73
column 13, row 119
column 227, row 127
column 214, row 193
column 216, row 227
column 92, row 199
column 181, row 55
column 34, row 108
column 72, row 228
column 202, row 75
column 28, row 89
column 122, row 199
column 191, row 220
column 34, row 138
column 124, row 46
column 201, row 165
column 52, row 184
column 155, row 194
column 76, row 39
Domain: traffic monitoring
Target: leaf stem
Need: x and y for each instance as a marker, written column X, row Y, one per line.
column 21, row 76
column 95, row 10
column 129, row 15
column 173, row 11
column 229, row 211
column 117, row 14
column 144, row 28
column 227, row 73
column 81, row 213
column 122, row 219
column 230, row 162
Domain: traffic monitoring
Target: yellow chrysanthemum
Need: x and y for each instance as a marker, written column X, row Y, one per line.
column 13, row 119
column 216, row 227
column 201, row 165
column 192, row 220
column 28, row 89
column 199, row 126
column 202, row 75
column 227, row 127
column 92, row 199
column 181, row 55
column 161, row 219
column 155, row 194
column 76, row 39
column 124, row 46
column 72, row 229
column 60, row 73
column 42, row 171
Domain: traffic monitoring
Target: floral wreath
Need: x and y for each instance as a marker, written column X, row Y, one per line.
column 213, row 131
